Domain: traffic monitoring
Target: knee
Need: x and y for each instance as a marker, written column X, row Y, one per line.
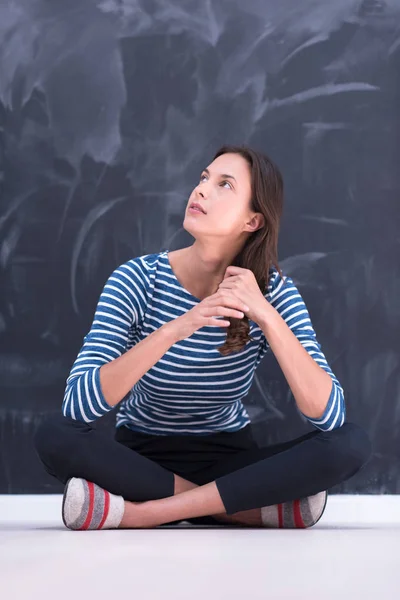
column 352, row 447
column 50, row 437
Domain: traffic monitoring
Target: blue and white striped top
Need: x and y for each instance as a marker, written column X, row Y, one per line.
column 192, row 389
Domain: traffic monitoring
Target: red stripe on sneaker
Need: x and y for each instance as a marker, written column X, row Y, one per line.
column 280, row 516
column 298, row 519
column 106, row 508
column 91, row 505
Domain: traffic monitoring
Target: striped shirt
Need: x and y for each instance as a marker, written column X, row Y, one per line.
column 192, row 389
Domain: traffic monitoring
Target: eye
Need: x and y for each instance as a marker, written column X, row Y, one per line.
column 222, row 182
column 227, row 183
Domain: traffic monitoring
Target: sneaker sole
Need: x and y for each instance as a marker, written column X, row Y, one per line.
column 63, row 502
column 322, row 512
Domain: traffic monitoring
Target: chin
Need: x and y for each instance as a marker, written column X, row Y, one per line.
column 186, row 224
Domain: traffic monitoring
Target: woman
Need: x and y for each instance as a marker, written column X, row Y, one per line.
column 170, row 346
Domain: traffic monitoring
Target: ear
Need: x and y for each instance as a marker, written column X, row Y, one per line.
column 256, row 222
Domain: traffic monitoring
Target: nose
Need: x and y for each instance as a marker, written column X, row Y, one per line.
column 201, row 190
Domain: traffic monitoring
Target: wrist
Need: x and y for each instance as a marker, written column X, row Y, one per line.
column 268, row 318
column 169, row 332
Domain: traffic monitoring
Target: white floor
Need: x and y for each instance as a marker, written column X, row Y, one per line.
column 352, row 553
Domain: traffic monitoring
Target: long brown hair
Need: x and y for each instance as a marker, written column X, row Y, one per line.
column 260, row 251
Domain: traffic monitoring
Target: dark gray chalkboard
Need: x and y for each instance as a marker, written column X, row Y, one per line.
column 109, row 110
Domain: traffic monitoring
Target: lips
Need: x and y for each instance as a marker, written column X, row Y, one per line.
column 197, row 206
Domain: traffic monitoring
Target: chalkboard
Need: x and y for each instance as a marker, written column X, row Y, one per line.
column 108, row 113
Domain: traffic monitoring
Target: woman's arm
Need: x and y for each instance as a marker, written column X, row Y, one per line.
column 103, row 372
column 289, row 332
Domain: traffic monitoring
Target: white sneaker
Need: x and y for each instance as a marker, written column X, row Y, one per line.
column 296, row 513
column 87, row 506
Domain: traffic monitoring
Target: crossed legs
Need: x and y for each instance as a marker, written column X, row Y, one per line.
column 233, row 490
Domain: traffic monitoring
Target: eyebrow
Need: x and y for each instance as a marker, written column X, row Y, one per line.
column 221, row 174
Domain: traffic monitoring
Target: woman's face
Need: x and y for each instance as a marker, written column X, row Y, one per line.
column 224, row 192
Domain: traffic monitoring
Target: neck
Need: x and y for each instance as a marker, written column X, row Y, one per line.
column 209, row 263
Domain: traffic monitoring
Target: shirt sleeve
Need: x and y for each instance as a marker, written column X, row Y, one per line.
column 287, row 300
column 120, row 308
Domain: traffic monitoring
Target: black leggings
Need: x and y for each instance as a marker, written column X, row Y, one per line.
column 141, row 467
